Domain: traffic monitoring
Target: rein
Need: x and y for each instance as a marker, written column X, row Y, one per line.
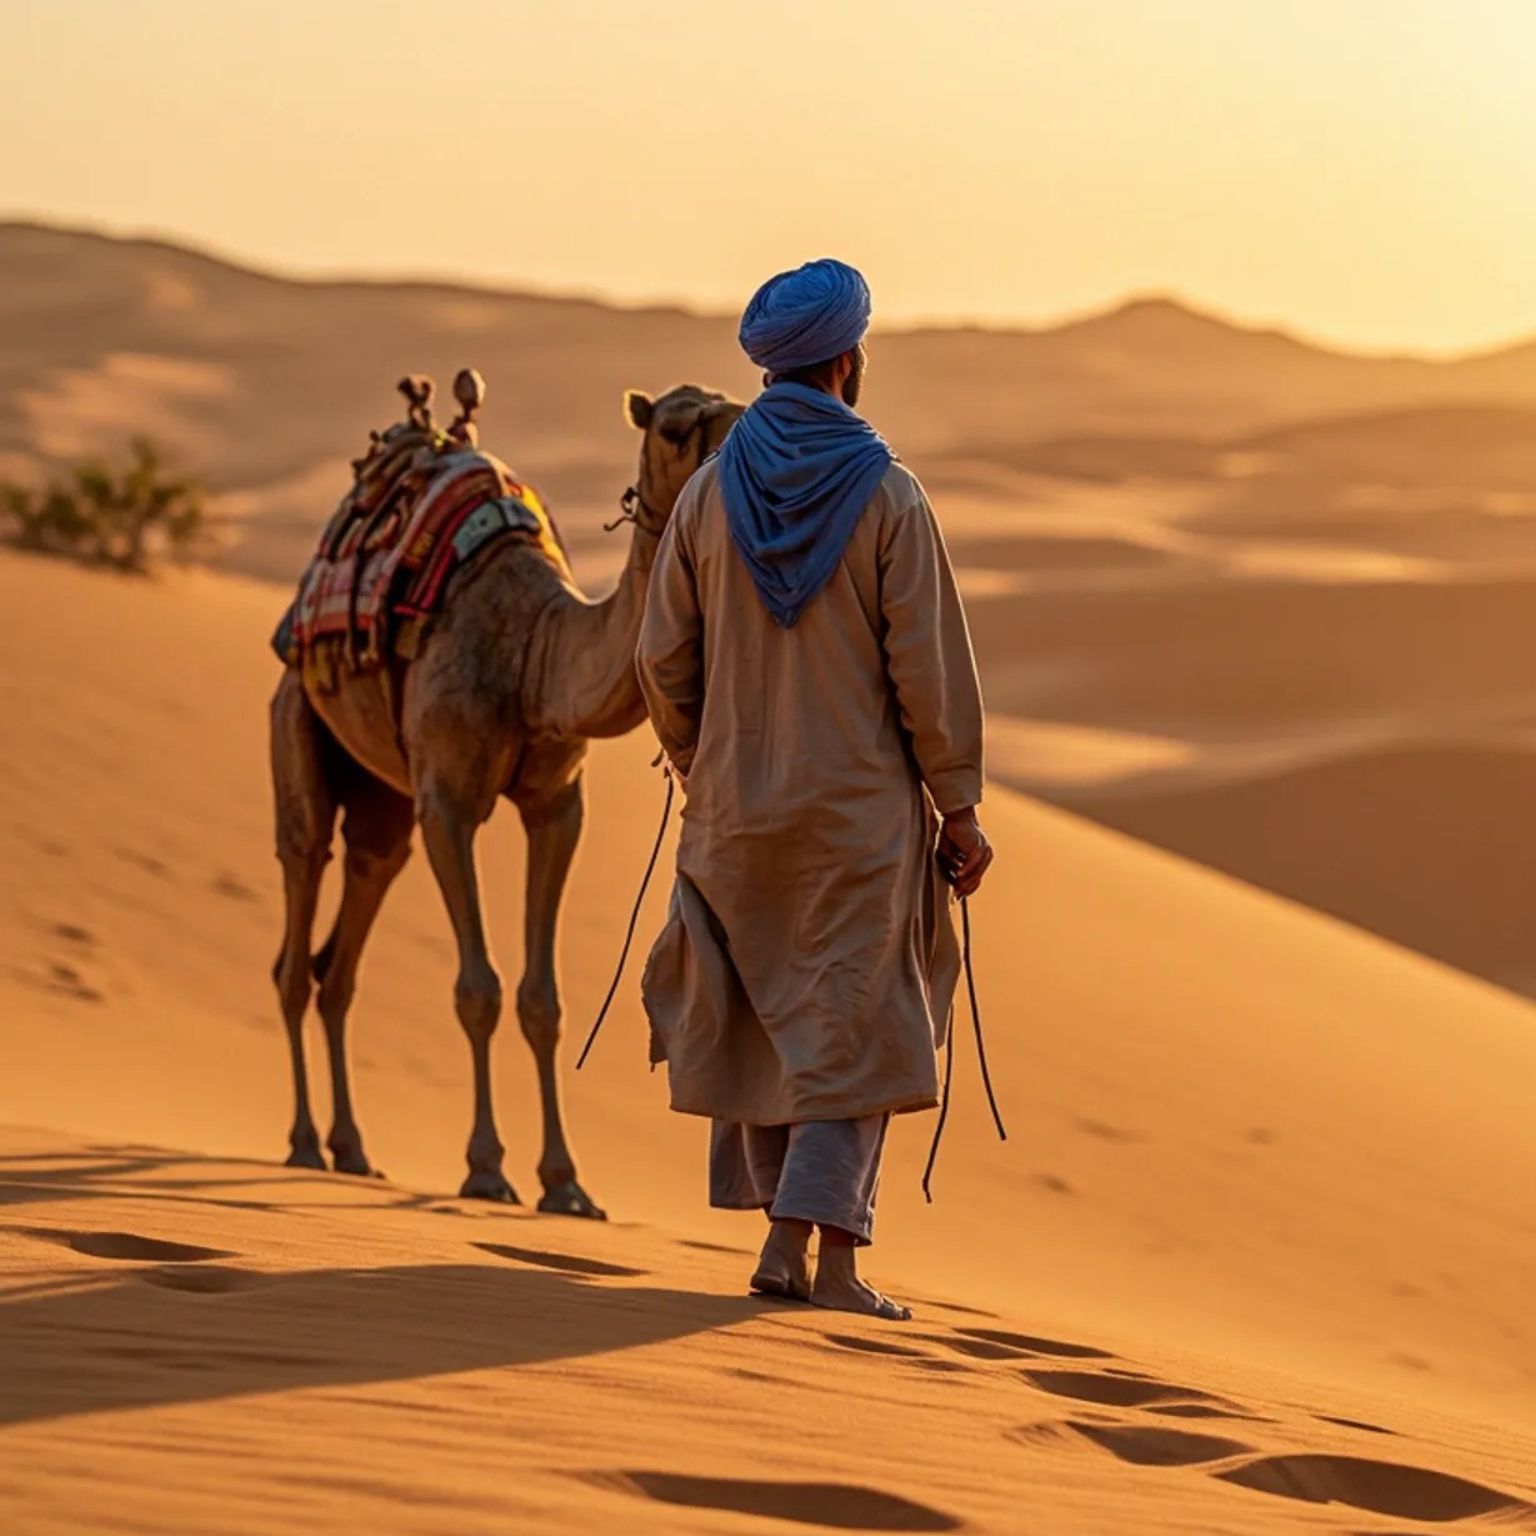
column 634, row 916
column 634, row 508
column 949, row 1057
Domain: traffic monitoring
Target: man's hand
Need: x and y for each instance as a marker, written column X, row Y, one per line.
column 965, row 855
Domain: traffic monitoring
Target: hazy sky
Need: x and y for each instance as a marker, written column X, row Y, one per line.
column 1362, row 169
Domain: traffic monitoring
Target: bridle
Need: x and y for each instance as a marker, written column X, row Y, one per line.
column 634, row 508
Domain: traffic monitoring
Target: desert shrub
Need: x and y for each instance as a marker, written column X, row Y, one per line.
column 125, row 517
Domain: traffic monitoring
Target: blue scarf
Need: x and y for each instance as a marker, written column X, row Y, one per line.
column 796, row 471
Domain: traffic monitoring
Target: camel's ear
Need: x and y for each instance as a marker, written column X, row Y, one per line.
column 639, row 408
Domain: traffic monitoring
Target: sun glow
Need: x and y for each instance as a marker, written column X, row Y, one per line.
column 1362, row 171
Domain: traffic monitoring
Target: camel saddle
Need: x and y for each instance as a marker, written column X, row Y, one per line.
column 426, row 503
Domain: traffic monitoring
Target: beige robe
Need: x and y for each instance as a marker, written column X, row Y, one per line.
column 808, row 960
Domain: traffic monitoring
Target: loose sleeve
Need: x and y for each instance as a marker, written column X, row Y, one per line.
column 670, row 658
column 928, row 654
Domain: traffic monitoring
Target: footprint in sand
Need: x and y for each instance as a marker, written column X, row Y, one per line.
column 1000, row 1344
column 129, row 1247
column 567, row 1263
column 1053, row 1182
column 1383, row 1487
column 60, row 977
column 1107, row 1132
column 840, row 1506
column 978, row 1349
column 1116, row 1391
column 226, row 884
column 145, row 861
column 1034, row 1345
column 1205, row 1411
column 1152, row 1446
column 877, row 1347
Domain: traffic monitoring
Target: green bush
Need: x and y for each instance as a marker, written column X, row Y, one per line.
column 124, row 518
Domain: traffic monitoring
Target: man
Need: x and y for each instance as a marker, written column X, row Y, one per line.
column 807, row 666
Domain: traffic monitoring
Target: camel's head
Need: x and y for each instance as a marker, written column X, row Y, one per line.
column 682, row 428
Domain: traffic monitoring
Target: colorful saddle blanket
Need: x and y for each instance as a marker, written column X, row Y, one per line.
column 424, row 506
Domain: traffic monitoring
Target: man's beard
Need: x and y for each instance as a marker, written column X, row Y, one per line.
column 853, row 385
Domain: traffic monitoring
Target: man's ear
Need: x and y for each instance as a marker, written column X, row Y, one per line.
column 638, row 408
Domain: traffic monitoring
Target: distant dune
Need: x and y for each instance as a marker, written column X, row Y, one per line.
column 260, row 381
column 1436, row 845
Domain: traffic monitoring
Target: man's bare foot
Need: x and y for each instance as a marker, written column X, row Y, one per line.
column 784, row 1266
column 838, row 1287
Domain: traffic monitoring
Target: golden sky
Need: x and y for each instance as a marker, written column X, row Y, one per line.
column 1364, row 170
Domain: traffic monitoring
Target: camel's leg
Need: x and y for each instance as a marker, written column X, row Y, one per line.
column 448, row 827
column 377, row 830
column 306, row 817
column 554, row 829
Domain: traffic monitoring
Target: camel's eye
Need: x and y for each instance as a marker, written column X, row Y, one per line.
column 678, row 432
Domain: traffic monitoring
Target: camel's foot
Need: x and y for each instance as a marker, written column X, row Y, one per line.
column 488, row 1184
column 354, row 1160
column 568, row 1198
column 305, row 1153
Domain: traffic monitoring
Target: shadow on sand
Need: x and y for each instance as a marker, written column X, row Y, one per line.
column 160, row 1336
column 162, row 1323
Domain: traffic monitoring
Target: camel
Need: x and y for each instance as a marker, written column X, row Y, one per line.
column 518, row 673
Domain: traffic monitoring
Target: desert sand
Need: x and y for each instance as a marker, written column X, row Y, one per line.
column 1259, row 1252
column 1261, row 1235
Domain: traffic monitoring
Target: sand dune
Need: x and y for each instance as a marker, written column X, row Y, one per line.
column 259, row 381
column 1432, row 846
column 1334, row 703
column 1213, row 652
column 1260, row 1235
column 1215, row 571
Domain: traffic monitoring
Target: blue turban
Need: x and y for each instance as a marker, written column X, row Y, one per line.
column 817, row 312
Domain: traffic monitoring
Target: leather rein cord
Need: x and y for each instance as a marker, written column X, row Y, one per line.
column 949, row 1056
column 634, row 917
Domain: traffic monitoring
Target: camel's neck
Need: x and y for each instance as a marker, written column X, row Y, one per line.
column 588, row 677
